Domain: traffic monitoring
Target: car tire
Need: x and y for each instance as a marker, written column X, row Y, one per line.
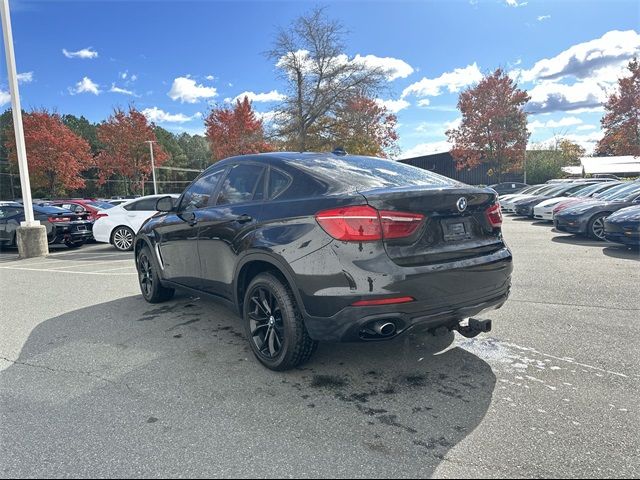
column 73, row 245
column 274, row 326
column 122, row 238
column 595, row 227
column 152, row 289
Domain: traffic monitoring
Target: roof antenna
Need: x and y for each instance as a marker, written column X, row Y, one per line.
column 340, row 151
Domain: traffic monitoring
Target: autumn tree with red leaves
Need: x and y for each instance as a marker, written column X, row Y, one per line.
column 125, row 152
column 494, row 125
column 56, row 156
column 235, row 131
column 363, row 127
column 621, row 122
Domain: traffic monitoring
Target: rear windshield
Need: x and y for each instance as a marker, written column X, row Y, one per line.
column 365, row 173
column 49, row 210
column 102, row 205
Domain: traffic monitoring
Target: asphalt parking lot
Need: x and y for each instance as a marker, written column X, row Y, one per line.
column 94, row 382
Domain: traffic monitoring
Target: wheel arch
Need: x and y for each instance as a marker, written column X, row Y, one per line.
column 252, row 265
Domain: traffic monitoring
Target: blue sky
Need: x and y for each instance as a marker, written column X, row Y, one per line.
column 173, row 60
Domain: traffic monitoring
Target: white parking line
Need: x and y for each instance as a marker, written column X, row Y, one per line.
column 114, row 269
column 64, row 271
column 89, row 264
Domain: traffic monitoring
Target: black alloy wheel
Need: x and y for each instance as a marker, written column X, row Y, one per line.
column 273, row 324
column 152, row 290
column 265, row 323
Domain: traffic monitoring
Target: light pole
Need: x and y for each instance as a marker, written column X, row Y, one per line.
column 153, row 166
column 31, row 237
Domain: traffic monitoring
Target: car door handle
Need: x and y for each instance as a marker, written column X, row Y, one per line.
column 244, row 218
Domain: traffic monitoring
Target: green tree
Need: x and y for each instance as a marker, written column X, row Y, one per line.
column 83, row 127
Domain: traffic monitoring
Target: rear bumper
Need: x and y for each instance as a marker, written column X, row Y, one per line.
column 63, row 234
column 347, row 325
column 444, row 296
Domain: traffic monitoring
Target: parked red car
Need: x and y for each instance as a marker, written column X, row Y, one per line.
column 82, row 205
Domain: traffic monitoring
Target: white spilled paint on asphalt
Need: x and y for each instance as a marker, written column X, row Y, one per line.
column 518, row 358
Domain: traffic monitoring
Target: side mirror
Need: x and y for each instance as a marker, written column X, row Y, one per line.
column 165, row 204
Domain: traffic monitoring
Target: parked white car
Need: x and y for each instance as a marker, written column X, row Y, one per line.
column 120, row 224
column 508, row 205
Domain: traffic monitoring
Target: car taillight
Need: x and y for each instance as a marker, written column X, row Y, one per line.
column 59, row 219
column 363, row 223
column 494, row 215
column 96, row 216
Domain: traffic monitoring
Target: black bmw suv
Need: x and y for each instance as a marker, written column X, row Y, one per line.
column 311, row 247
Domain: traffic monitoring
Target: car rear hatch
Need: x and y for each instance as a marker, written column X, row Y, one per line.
column 455, row 224
column 71, row 222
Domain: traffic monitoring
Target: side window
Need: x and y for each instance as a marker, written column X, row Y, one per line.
column 278, row 183
column 144, row 205
column 199, row 193
column 8, row 212
column 240, row 184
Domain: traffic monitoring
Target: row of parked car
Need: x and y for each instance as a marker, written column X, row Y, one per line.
column 602, row 209
column 74, row 222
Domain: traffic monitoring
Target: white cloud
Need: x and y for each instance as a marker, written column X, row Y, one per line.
column 124, row 75
column 134, row 78
column 587, row 127
column 426, row 149
column 272, row 96
column 123, row 91
column 86, row 85
column 514, row 3
column 394, row 68
column 393, row 106
column 84, row 53
column 267, row 117
column 563, row 122
column 157, row 115
column 452, row 81
column 186, row 90
column 5, row 97
column 582, row 60
column 425, row 102
column 542, row 18
column 554, row 96
column 26, row 77
column 581, row 77
column 210, row 77
column 587, row 141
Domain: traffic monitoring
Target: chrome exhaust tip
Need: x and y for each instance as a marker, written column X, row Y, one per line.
column 385, row 329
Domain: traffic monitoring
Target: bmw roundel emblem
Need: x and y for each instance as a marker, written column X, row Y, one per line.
column 462, row 204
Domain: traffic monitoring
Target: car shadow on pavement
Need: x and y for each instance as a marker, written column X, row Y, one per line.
column 620, row 251
column 577, row 240
column 128, row 388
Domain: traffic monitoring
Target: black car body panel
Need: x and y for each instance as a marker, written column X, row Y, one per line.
column 624, row 226
column 70, row 227
column 215, row 249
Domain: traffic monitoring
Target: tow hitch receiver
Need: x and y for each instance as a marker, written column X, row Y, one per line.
column 476, row 327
